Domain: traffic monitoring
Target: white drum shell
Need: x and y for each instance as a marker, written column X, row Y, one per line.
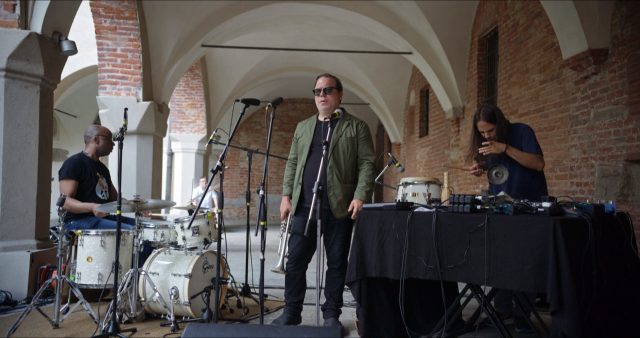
column 201, row 231
column 189, row 271
column 96, row 254
column 419, row 190
column 159, row 232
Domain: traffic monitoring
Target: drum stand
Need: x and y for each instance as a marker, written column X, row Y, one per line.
column 59, row 279
column 128, row 290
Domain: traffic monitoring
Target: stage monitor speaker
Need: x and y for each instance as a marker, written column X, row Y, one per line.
column 252, row 330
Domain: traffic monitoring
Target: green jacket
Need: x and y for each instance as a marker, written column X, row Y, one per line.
column 350, row 169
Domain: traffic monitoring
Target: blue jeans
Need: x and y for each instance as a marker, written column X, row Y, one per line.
column 337, row 239
column 97, row 223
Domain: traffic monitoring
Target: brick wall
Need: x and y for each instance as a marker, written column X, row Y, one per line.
column 251, row 134
column 585, row 110
column 9, row 14
column 188, row 108
column 119, row 48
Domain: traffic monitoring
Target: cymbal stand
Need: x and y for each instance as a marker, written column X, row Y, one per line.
column 128, row 289
column 316, row 205
column 59, row 278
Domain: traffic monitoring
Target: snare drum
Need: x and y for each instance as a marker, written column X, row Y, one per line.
column 199, row 235
column 189, row 271
column 96, row 254
column 159, row 233
column 421, row 190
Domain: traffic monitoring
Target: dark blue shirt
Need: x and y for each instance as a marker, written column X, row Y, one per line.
column 522, row 183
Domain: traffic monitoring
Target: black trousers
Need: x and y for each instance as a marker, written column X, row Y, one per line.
column 336, row 238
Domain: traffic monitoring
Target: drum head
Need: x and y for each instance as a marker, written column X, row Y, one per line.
column 419, row 180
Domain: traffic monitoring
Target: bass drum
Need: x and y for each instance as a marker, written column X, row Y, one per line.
column 421, row 190
column 189, row 271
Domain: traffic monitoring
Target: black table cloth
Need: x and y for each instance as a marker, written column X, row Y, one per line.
column 588, row 267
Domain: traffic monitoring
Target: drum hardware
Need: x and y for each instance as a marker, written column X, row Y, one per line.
column 285, row 228
column 131, row 278
column 59, row 279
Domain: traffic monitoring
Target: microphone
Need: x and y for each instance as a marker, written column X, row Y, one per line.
column 276, row 101
column 213, row 136
column 337, row 114
column 120, row 134
column 250, row 102
column 398, row 165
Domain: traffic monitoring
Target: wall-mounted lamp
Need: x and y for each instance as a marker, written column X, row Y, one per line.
column 67, row 47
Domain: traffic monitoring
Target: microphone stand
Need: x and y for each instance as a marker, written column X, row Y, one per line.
column 219, row 167
column 246, row 289
column 113, row 328
column 316, row 204
column 262, row 213
column 377, row 180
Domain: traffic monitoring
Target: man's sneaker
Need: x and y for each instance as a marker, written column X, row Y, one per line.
column 287, row 319
column 522, row 326
column 332, row 322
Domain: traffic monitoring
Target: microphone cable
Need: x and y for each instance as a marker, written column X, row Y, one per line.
column 403, row 272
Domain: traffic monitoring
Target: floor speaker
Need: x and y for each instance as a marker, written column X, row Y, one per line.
column 253, row 330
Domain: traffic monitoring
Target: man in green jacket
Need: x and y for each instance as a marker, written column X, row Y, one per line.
column 347, row 183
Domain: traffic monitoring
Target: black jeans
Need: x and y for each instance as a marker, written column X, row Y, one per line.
column 337, row 239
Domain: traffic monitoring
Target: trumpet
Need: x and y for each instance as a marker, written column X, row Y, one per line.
column 282, row 245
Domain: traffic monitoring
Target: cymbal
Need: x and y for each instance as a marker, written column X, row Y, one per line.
column 139, row 204
column 185, row 207
column 190, row 207
column 498, row 174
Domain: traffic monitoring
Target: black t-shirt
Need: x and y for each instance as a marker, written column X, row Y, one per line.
column 313, row 163
column 93, row 180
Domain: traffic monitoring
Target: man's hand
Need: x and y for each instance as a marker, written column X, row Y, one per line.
column 492, row 147
column 355, row 207
column 285, row 208
column 476, row 169
column 98, row 213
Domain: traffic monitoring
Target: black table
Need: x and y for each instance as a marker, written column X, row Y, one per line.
column 587, row 266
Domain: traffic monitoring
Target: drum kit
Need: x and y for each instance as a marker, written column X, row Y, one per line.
column 173, row 279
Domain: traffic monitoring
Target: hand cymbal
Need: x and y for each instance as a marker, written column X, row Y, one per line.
column 135, row 205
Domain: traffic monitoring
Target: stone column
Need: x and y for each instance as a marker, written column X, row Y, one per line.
column 142, row 146
column 30, row 68
column 188, row 163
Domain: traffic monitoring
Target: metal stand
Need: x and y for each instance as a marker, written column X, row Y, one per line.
column 128, row 290
column 214, row 171
column 59, row 279
column 113, row 329
column 262, row 209
column 316, row 204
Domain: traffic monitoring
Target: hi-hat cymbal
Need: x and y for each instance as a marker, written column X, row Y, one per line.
column 138, row 204
column 498, row 174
